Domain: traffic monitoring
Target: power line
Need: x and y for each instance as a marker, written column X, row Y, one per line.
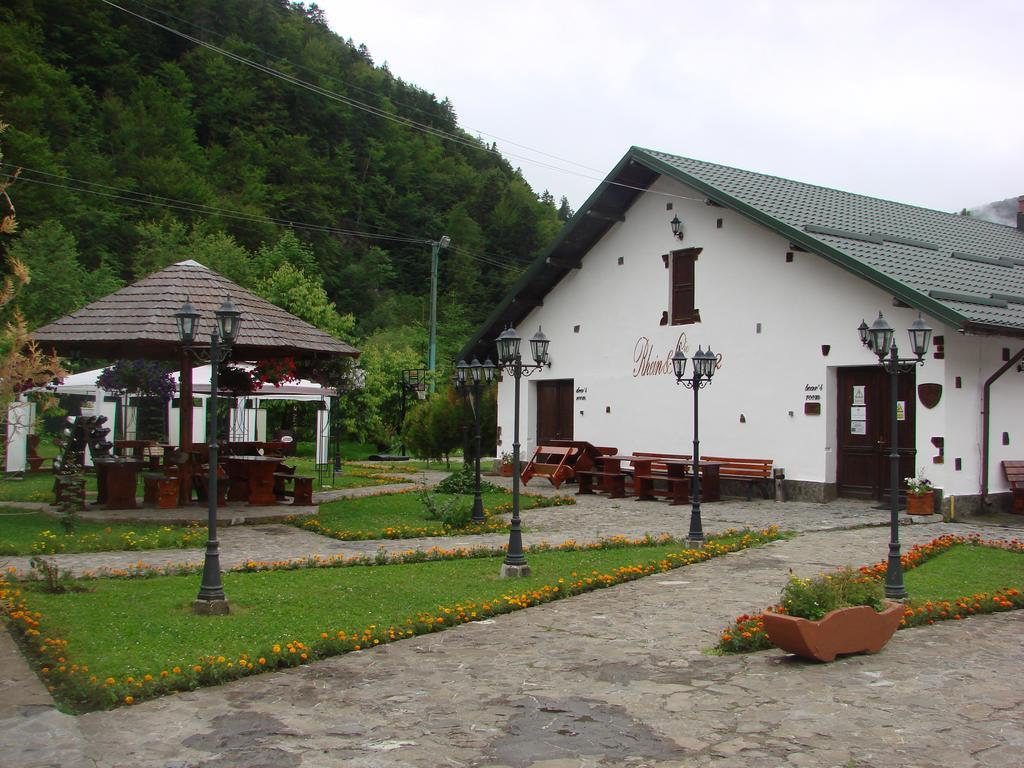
column 376, row 111
column 132, row 197
column 355, row 86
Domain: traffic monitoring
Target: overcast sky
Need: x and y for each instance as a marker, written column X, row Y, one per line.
column 919, row 102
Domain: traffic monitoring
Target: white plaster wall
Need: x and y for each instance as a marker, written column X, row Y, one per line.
column 974, row 359
column 742, row 280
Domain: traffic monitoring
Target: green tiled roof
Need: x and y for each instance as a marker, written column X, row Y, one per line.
column 966, row 272
column 958, row 268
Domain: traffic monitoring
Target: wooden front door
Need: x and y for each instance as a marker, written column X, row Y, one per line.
column 865, row 425
column 555, row 400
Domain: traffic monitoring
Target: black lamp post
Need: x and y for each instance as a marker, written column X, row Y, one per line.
column 879, row 339
column 211, row 599
column 413, row 380
column 703, row 369
column 510, row 361
column 470, row 378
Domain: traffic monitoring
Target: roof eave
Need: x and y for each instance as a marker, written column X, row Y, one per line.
column 904, row 293
column 481, row 340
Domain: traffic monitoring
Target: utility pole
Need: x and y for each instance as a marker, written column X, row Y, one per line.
column 435, row 250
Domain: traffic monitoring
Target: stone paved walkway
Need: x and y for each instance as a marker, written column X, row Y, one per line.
column 613, row 678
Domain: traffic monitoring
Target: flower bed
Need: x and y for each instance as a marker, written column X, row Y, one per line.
column 80, row 689
column 746, row 633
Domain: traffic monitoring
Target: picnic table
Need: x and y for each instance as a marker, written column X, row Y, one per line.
column 251, row 478
column 678, row 478
column 116, row 480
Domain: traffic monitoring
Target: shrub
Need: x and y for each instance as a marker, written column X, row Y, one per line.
column 464, row 482
column 813, row 598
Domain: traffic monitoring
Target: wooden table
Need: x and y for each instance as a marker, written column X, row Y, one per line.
column 251, row 478
column 116, row 481
column 710, row 486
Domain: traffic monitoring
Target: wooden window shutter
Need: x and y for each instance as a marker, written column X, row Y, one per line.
column 683, row 286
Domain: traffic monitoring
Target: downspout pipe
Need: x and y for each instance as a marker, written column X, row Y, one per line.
column 986, row 422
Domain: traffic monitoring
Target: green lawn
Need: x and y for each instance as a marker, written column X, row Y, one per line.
column 401, row 515
column 28, row 533
column 35, row 487
column 137, row 626
column 964, row 571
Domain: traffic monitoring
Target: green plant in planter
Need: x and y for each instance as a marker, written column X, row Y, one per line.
column 846, row 588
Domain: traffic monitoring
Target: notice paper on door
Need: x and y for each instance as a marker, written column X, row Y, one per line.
column 859, row 413
column 858, row 395
column 858, row 427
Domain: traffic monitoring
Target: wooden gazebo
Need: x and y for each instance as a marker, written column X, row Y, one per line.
column 138, row 322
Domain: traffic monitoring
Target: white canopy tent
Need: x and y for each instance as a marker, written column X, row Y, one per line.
column 247, row 423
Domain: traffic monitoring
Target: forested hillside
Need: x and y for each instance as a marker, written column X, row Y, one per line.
column 140, row 147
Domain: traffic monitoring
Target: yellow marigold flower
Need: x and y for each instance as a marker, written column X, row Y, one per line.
column 148, row 678
column 110, row 681
column 277, row 648
column 129, row 699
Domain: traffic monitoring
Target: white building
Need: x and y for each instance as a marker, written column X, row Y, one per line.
column 775, row 276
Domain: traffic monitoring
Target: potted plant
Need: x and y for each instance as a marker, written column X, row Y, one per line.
column 505, row 466
column 832, row 614
column 920, row 495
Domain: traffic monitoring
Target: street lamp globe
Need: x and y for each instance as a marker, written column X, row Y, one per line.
column 920, row 337
column 679, row 364
column 229, row 319
column 539, row 347
column 508, row 345
column 881, row 334
column 704, row 363
column 461, row 372
column 489, row 369
column 187, row 319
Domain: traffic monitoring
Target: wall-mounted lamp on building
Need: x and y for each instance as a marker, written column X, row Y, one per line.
column 677, row 227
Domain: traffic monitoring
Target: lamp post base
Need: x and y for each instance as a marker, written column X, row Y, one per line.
column 514, row 571
column 696, row 541
column 211, row 607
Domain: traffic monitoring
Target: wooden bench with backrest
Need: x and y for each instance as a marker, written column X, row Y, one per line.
column 1014, row 473
column 613, row 483
column 552, row 462
column 301, row 491
column 749, row 471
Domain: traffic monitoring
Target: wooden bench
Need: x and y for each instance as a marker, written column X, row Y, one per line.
column 612, row 482
column 1014, row 473
column 552, row 462
column 301, row 491
column 750, row 471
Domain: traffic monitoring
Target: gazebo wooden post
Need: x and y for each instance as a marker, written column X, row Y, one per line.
column 185, row 427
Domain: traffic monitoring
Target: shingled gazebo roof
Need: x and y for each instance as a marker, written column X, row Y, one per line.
column 138, row 321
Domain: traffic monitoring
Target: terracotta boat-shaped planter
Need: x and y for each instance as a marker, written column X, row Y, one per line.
column 861, row 629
